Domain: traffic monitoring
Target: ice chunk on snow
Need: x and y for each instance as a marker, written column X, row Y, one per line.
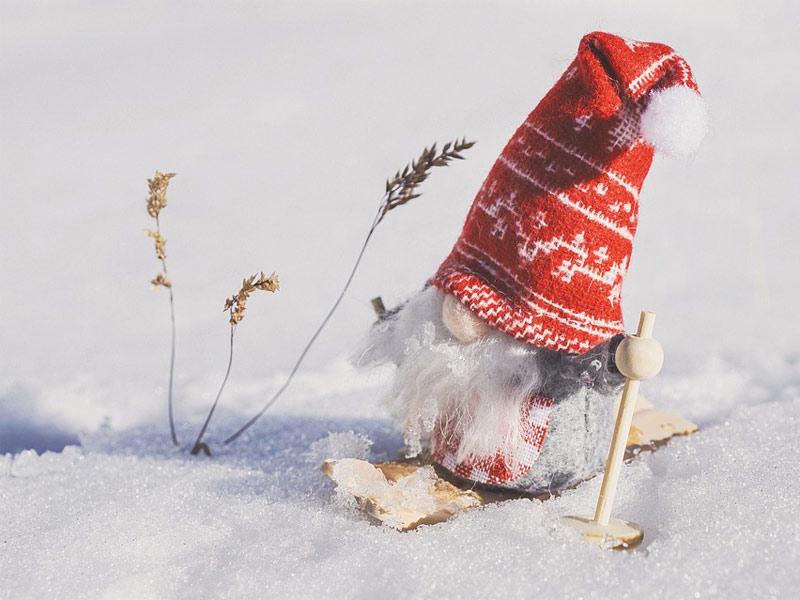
column 410, row 495
column 29, row 463
column 340, row 444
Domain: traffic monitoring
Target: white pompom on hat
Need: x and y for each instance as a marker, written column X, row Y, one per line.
column 675, row 121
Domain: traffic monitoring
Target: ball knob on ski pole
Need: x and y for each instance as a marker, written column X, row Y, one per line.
column 638, row 357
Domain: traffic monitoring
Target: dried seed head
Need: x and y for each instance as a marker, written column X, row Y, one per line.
column 161, row 280
column 237, row 304
column 160, row 243
column 403, row 186
column 157, row 199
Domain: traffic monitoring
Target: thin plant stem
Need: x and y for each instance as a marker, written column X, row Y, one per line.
column 314, row 337
column 400, row 189
column 198, row 444
column 170, row 413
column 171, row 369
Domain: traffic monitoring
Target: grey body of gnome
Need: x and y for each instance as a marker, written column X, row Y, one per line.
column 584, row 388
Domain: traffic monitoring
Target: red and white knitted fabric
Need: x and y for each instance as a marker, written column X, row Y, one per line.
column 500, row 468
column 548, row 239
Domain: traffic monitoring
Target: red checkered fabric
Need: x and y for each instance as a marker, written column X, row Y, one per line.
column 500, row 468
column 547, row 242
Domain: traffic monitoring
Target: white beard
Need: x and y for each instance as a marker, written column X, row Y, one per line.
column 474, row 391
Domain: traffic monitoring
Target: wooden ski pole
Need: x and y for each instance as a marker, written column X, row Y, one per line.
column 637, row 361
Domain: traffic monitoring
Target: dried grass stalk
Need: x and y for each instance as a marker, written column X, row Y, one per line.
column 235, row 305
column 400, row 189
column 156, row 201
column 160, row 280
column 159, row 241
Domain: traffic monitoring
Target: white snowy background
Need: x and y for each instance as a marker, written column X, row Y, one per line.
column 283, row 120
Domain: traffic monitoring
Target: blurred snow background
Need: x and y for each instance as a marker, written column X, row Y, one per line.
column 283, row 120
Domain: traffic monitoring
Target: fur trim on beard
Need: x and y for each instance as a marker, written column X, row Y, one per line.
column 474, row 390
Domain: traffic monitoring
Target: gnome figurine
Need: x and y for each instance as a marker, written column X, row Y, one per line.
column 505, row 369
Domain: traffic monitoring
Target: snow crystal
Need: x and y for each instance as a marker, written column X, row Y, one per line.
column 29, row 463
column 340, row 444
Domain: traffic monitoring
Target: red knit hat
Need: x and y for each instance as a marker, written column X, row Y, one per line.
column 547, row 242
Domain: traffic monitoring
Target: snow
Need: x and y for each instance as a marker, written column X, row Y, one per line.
column 126, row 517
column 339, row 444
column 283, row 121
